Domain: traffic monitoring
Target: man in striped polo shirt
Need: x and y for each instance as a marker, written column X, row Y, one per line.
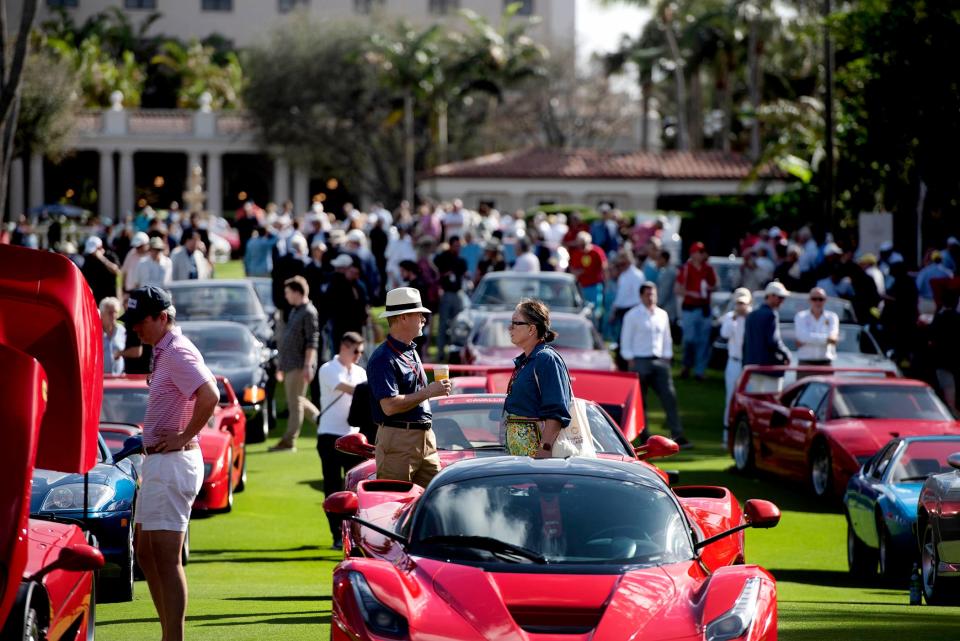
column 183, row 395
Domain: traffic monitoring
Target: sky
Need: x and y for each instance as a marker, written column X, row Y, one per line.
column 599, row 27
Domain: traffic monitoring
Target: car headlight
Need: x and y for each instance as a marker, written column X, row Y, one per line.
column 253, row 394
column 734, row 623
column 379, row 618
column 70, row 497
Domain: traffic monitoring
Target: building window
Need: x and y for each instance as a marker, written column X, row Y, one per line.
column 140, row 4
column 443, row 7
column 367, row 6
column 216, row 5
column 526, row 6
column 286, row 6
column 62, row 3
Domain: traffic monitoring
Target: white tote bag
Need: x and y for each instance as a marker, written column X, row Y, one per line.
column 575, row 439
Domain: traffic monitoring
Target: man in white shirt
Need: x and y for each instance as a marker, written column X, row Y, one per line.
column 526, row 260
column 646, row 344
column 156, row 269
column 138, row 251
column 731, row 328
column 338, row 378
column 818, row 331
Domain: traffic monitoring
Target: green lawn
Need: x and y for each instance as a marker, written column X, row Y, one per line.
column 263, row 571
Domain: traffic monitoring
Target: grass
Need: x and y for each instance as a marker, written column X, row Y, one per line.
column 263, row 571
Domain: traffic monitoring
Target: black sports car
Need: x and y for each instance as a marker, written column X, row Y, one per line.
column 938, row 531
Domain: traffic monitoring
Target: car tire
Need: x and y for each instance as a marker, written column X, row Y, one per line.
column 92, row 614
column 23, row 623
column 242, row 483
column 935, row 592
column 185, row 548
column 891, row 568
column 120, row 589
column 743, row 446
column 861, row 558
column 821, row 470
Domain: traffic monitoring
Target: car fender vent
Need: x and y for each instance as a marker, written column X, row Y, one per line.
column 550, row 620
column 387, row 486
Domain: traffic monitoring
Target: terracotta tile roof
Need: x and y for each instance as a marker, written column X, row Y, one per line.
column 590, row 163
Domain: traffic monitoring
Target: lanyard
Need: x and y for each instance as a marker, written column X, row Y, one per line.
column 418, row 371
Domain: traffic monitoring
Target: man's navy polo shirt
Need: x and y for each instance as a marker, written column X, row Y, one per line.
column 394, row 370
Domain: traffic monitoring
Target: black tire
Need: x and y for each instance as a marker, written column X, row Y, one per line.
column 935, row 592
column 120, row 589
column 861, row 558
column 257, row 427
column 891, row 568
column 23, row 623
column 242, row 484
column 31, row 626
column 185, row 550
column 743, row 457
column 821, row 471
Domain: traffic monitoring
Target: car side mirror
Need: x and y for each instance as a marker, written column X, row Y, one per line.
column 802, row 414
column 657, row 446
column 343, row 503
column 355, row 444
column 761, row 514
column 78, row 557
column 954, row 460
column 133, row 445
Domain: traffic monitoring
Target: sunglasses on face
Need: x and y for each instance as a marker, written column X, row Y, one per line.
column 519, row 323
column 817, row 299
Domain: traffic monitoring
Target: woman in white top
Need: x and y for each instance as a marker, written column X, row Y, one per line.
column 338, row 378
column 731, row 328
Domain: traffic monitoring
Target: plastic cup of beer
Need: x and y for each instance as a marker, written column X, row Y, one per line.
column 441, row 372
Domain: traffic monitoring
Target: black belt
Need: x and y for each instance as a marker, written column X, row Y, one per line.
column 408, row 425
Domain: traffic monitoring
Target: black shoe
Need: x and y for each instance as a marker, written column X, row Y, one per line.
column 683, row 443
column 338, row 545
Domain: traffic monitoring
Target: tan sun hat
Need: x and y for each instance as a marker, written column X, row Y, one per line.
column 403, row 300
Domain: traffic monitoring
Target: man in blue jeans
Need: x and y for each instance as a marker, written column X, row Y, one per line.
column 696, row 280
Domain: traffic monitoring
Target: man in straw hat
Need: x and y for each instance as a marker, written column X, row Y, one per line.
column 406, row 445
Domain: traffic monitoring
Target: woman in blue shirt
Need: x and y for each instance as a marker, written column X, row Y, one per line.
column 540, row 393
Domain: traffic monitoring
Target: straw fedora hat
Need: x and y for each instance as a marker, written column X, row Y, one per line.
column 403, row 300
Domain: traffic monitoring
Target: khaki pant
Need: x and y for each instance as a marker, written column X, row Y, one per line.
column 297, row 405
column 407, row 455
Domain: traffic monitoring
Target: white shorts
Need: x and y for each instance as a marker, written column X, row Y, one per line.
column 168, row 485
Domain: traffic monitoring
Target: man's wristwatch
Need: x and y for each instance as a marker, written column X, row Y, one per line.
column 546, row 447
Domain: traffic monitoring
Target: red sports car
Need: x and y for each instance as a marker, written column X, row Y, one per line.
column 822, row 428
column 517, row 548
column 222, row 441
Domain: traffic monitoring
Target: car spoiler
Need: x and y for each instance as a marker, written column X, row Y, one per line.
column 52, row 382
column 750, row 371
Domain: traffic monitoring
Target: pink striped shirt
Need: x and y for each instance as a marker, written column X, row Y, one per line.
column 178, row 372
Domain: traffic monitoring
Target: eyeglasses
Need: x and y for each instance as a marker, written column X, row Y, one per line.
column 818, row 299
column 519, row 323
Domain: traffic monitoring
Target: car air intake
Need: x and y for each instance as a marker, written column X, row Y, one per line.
column 546, row 620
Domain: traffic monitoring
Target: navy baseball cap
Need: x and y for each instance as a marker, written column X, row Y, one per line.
column 145, row 301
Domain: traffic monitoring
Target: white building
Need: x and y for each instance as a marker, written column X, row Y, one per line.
column 244, row 21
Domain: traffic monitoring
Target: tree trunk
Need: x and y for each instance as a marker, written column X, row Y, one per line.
column 695, row 110
column 726, row 99
column 409, row 149
column 646, row 86
column 753, row 52
column 683, row 140
column 443, row 135
column 10, row 90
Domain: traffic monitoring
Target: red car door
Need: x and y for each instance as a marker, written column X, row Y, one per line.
column 790, row 433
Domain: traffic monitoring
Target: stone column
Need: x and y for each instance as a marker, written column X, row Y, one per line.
column 281, row 181
column 193, row 159
column 128, row 187
column 214, row 184
column 17, row 206
column 301, row 190
column 107, row 191
column 36, row 181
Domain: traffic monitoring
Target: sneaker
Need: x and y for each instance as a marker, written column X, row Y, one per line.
column 683, row 443
column 282, row 447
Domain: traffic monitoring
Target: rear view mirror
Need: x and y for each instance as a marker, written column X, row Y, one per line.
column 343, row 503
column 78, row 557
column 761, row 514
column 802, row 414
column 656, row 447
column 133, row 445
column 355, row 444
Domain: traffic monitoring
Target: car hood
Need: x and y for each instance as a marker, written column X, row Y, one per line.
column 238, row 374
column 865, row 437
column 641, row 603
column 592, row 359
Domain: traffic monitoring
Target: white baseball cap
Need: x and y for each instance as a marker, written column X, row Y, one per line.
column 776, row 288
column 93, row 244
column 139, row 239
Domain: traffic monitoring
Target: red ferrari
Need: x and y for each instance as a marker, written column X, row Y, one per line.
column 52, row 358
column 823, row 427
column 517, row 548
column 222, row 441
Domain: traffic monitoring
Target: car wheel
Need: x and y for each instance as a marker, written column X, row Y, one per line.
column 31, row 626
column 23, row 622
column 92, row 614
column 934, row 590
column 743, row 446
column 185, row 548
column 891, row 568
column 242, row 483
column 861, row 558
column 821, row 470
column 120, row 589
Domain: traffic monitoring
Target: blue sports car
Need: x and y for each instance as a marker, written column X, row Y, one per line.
column 111, row 493
column 881, row 503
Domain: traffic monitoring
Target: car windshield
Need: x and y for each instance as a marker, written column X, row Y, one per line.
column 853, row 339
column 114, row 440
column 474, row 424
column 728, row 274
column 224, row 345
column 921, row 459
column 507, row 292
column 123, row 405
column 889, row 402
column 570, row 334
column 264, row 289
column 551, row 518
column 215, row 302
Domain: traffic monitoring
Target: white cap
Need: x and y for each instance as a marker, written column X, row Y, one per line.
column 93, row 244
column 832, row 249
column 776, row 288
column 886, row 246
column 343, row 260
column 356, row 236
column 139, row 239
column 742, row 295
